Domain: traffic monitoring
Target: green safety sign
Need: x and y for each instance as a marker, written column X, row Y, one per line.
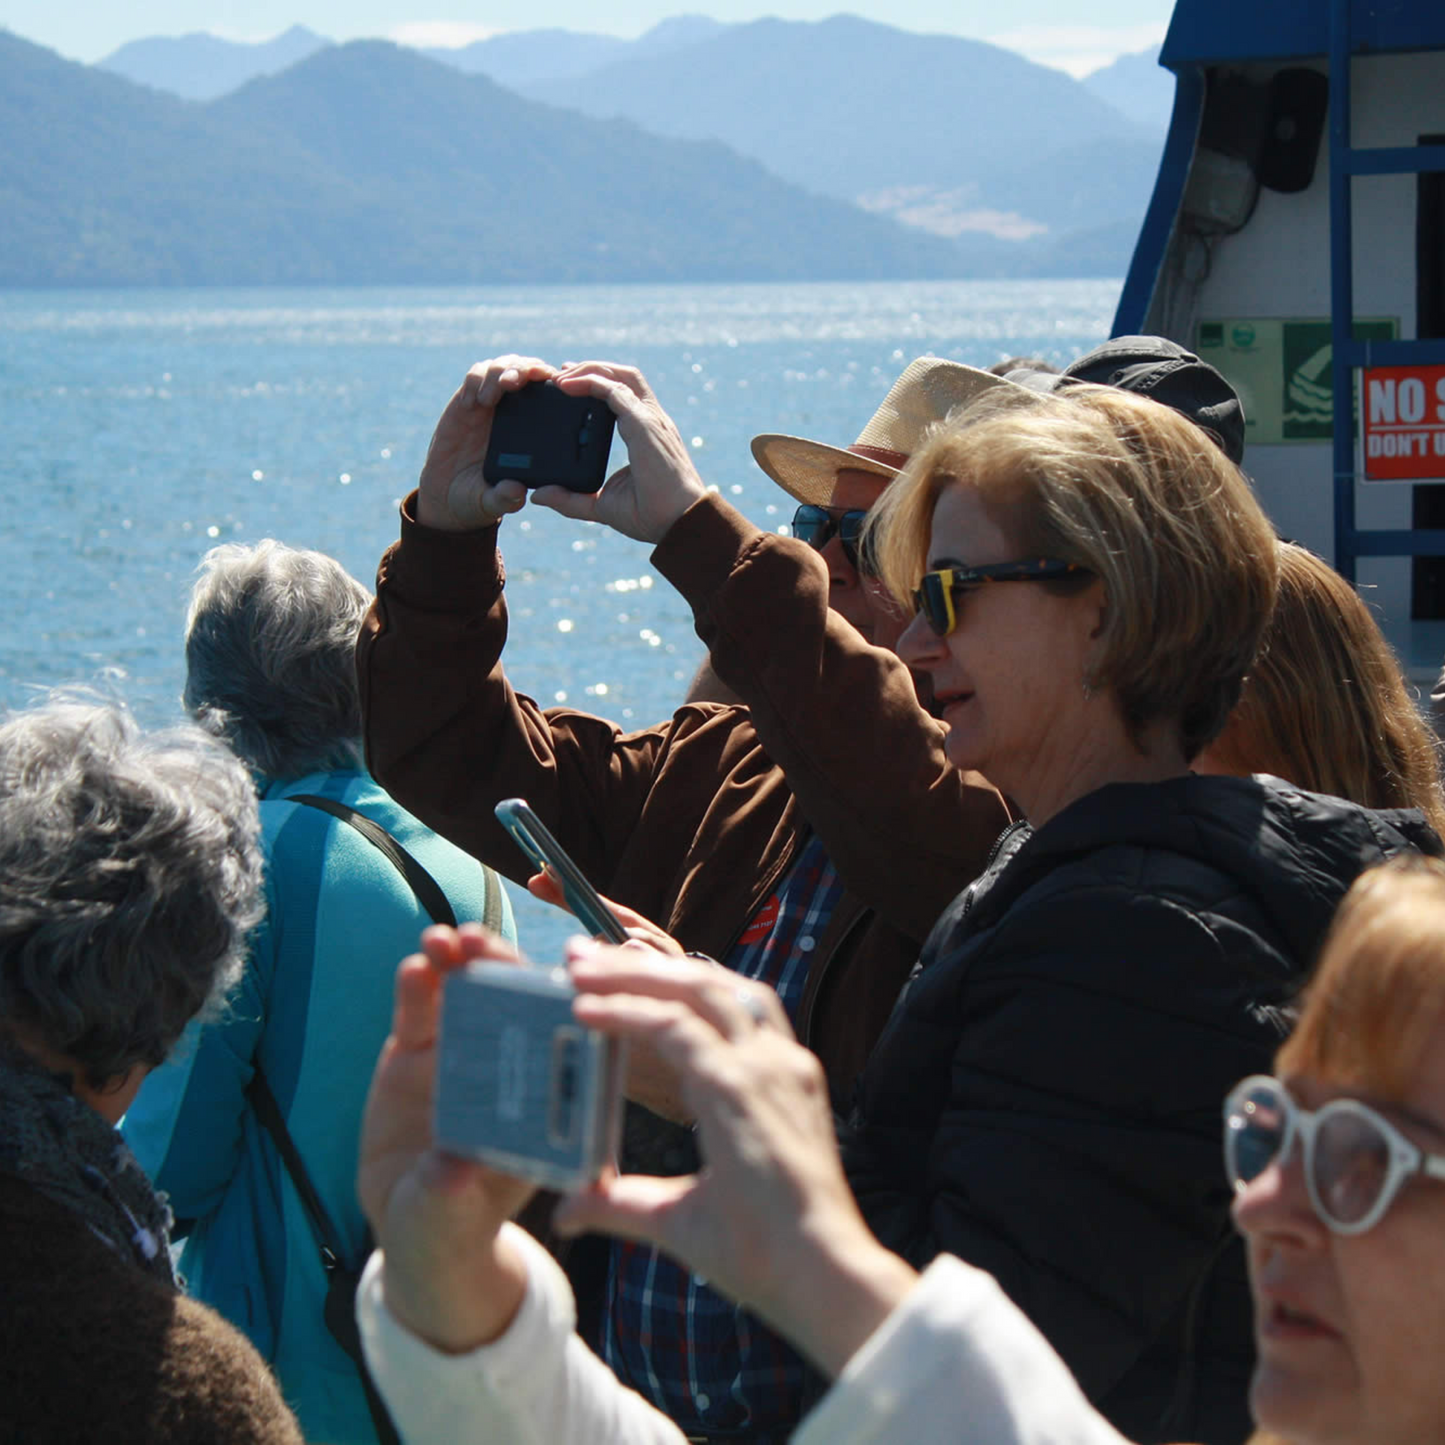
column 1283, row 370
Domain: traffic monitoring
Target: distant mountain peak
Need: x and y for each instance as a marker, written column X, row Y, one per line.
column 201, row 66
column 677, row 31
column 1137, row 86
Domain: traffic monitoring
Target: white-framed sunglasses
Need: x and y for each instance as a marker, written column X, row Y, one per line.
column 1355, row 1160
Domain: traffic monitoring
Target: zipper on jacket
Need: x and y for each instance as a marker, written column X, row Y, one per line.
column 998, row 846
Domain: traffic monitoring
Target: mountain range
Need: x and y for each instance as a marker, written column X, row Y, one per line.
column 792, row 156
column 890, row 119
column 366, row 163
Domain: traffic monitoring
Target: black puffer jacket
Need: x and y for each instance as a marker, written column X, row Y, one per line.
column 1045, row 1099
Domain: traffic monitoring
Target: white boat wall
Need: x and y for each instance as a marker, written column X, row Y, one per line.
column 1287, row 203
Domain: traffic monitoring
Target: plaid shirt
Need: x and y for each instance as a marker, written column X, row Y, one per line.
column 704, row 1361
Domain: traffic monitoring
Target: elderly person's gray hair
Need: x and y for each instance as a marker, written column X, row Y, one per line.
column 130, row 875
column 270, row 657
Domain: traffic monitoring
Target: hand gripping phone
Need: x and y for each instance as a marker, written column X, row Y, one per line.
column 520, row 1084
column 543, row 437
column 534, row 839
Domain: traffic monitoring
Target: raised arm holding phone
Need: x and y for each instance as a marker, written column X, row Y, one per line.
column 696, row 822
column 786, row 838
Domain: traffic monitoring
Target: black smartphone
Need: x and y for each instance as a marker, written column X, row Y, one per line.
column 542, row 437
column 546, row 853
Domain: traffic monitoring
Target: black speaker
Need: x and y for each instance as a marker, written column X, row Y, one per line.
column 1295, row 109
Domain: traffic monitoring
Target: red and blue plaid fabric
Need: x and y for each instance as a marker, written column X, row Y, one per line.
column 704, row 1361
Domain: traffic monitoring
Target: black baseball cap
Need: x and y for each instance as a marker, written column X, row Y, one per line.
column 1155, row 367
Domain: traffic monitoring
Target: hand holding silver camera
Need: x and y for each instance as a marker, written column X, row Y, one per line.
column 521, row 1085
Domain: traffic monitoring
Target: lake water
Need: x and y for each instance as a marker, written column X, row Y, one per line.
column 138, row 428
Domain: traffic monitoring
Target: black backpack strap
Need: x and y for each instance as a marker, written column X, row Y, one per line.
column 341, row 1279
column 427, row 889
column 268, row 1114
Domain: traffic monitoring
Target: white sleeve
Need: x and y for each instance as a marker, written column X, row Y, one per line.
column 538, row 1384
column 957, row 1361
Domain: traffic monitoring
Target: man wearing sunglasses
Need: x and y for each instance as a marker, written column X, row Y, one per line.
column 780, row 837
column 836, row 487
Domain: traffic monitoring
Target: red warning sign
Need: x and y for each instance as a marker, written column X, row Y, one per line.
column 1404, row 411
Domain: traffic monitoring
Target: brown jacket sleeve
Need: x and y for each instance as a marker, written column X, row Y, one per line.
column 904, row 828
column 449, row 737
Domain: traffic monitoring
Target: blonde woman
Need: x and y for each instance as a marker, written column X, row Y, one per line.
column 1325, row 704
column 1092, row 578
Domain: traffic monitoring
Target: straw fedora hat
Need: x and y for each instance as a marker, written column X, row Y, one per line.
column 926, row 392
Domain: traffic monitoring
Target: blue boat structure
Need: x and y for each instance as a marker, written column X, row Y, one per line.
column 1296, row 240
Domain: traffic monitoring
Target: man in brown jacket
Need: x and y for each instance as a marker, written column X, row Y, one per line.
column 808, row 839
column 693, row 822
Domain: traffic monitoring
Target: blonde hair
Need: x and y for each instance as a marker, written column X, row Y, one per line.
column 1376, row 996
column 1325, row 704
column 1139, row 496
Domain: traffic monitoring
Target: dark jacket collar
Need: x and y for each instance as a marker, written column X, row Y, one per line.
column 1287, row 847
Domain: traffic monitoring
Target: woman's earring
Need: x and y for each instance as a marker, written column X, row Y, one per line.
column 1088, row 690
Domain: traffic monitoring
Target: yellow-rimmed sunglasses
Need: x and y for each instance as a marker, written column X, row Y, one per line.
column 937, row 590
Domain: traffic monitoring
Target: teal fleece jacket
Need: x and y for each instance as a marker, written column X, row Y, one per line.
column 312, row 1009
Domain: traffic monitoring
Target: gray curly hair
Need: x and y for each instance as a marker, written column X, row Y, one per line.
column 270, row 657
column 130, row 875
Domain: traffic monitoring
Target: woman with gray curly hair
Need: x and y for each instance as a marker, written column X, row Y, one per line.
column 270, row 637
column 130, row 874
column 269, row 647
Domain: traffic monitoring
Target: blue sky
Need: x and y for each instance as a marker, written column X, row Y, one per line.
column 1049, row 31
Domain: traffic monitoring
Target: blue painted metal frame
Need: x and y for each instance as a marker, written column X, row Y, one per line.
column 1202, row 32
column 1342, row 291
column 1346, row 40
column 1206, row 32
column 1153, row 242
column 1395, row 160
column 1430, row 352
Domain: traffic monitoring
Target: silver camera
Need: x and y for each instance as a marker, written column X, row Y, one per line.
column 521, row 1085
